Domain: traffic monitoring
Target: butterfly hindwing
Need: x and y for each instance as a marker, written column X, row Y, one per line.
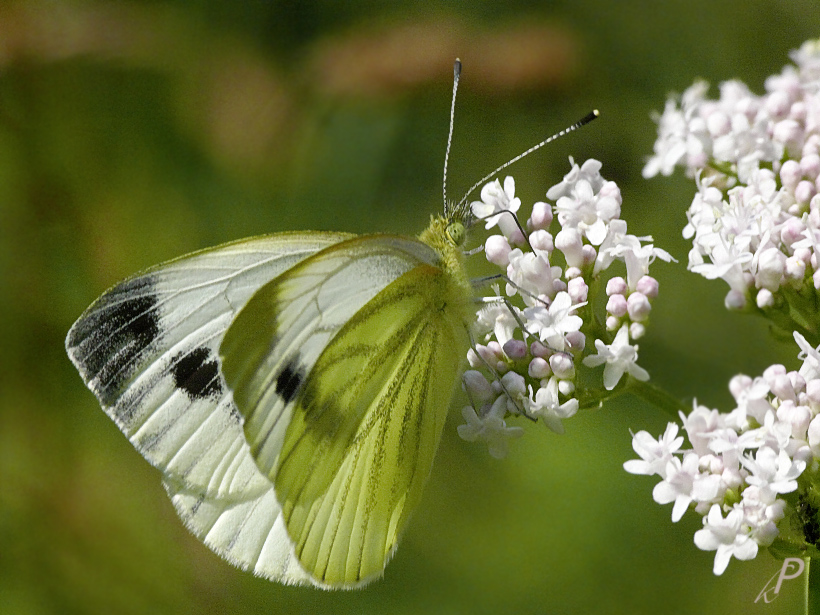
column 371, row 425
column 345, row 417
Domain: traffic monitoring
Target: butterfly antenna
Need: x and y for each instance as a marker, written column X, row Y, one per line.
column 582, row 122
column 456, row 75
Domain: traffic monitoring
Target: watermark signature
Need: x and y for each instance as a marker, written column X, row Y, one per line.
column 769, row 591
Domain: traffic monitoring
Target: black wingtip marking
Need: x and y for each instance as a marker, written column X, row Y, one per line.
column 289, row 381
column 108, row 341
column 197, row 373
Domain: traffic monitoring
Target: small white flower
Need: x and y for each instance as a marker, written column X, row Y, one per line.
column 546, row 405
column 795, row 415
column 498, row 207
column 655, row 454
column 620, row 357
column 773, row 433
column 477, row 386
column 588, row 211
column 810, row 370
column 670, row 147
column 589, row 172
column 751, row 396
column 532, row 274
column 728, row 263
column 773, row 471
column 638, row 259
column 552, row 323
column 771, row 267
column 730, row 445
column 700, row 425
column 610, row 246
column 497, row 318
column 726, row 536
column 762, row 513
column 684, row 483
column 490, row 427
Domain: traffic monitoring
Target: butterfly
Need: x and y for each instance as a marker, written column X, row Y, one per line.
column 291, row 388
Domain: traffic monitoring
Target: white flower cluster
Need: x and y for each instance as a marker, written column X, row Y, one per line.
column 533, row 337
column 755, row 220
column 742, row 463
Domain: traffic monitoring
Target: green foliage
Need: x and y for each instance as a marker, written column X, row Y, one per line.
column 132, row 132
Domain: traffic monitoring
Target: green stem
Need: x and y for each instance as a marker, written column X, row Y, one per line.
column 792, row 320
column 812, row 588
column 657, row 397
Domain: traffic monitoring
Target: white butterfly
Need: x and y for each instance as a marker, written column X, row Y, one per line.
column 292, row 389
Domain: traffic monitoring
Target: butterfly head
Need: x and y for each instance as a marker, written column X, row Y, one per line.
column 456, row 232
column 457, row 220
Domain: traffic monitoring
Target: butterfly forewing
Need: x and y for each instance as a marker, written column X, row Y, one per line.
column 148, row 350
column 249, row 533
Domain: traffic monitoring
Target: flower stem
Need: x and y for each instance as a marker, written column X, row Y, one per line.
column 812, row 588
column 658, row 397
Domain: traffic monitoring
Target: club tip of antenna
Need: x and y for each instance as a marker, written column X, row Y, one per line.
column 590, row 116
column 457, row 67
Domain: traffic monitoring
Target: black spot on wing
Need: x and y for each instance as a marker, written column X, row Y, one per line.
column 289, row 381
column 197, row 373
column 107, row 342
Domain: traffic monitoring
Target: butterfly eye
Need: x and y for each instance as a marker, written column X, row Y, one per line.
column 456, row 233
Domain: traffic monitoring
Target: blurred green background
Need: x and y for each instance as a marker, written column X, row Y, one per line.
column 132, row 132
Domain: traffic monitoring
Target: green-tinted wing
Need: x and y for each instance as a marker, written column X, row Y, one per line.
column 347, row 427
column 275, row 340
column 362, row 440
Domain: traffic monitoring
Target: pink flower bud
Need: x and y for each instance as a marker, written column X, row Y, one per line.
column 542, row 240
column 497, row 249
column 790, row 174
column 539, row 368
column 792, row 230
column 576, row 341
column 804, row 191
column 578, row 290
column 541, row 216
column 617, row 305
column 637, row 306
column 648, row 286
column 810, row 165
column 562, row 365
column 764, row 299
column 734, row 300
column 616, row 286
column 515, row 349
